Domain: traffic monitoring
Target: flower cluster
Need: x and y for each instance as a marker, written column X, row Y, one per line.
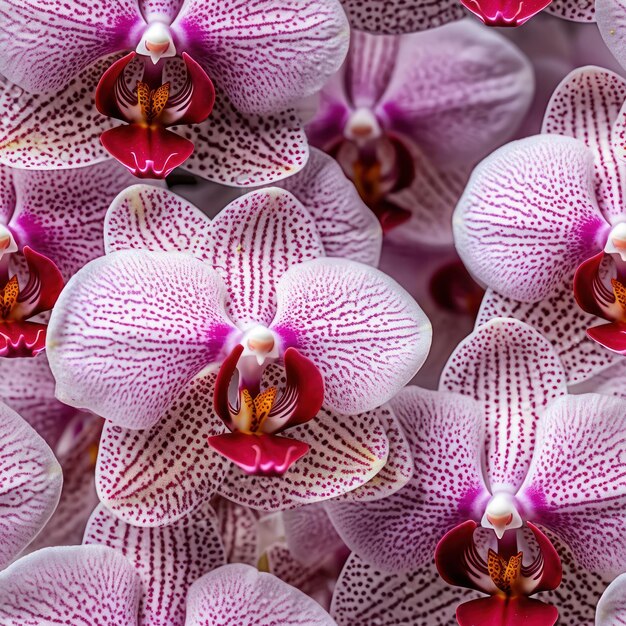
column 312, row 312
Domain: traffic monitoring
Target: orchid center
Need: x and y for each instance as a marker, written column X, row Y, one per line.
column 501, row 514
column 616, row 241
column 505, row 573
column 362, row 126
column 157, row 42
column 7, row 241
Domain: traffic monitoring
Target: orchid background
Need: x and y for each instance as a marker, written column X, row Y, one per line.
column 312, row 312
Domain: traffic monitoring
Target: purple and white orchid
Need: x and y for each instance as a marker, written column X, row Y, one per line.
column 242, row 66
column 408, row 117
column 253, row 300
column 501, row 446
column 541, row 220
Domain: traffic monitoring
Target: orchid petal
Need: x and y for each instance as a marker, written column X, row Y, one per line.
column 369, row 597
column 155, row 477
column 27, row 386
column 344, row 454
column 611, row 18
column 257, row 238
column 44, row 45
column 586, row 106
column 43, row 131
column 377, row 347
column 238, row 530
column 400, row 533
column 576, row 485
column 347, row 227
column 514, row 371
column 609, row 381
column 268, row 54
column 76, row 453
column 562, row 322
column 165, row 10
column 168, row 560
column 30, row 484
column 611, row 609
column 7, row 193
column 529, row 216
column 397, row 16
column 241, row 150
column 48, row 204
column 79, row 584
column 577, row 11
column 457, row 111
column 242, row 595
column 110, row 343
column 150, row 218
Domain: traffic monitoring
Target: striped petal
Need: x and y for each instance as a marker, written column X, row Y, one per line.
column 168, row 560
column 400, row 532
column 44, row 44
column 144, row 217
column 586, row 106
column 30, row 484
column 515, row 373
column 44, row 131
column 562, row 322
column 256, row 239
column 157, row 476
column 81, row 585
column 394, row 17
column 367, row 353
column 241, row 150
column 110, row 343
column 265, row 54
column 60, row 213
column 612, row 606
column 344, row 454
column 576, row 485
column 514, row 236
column 238, row 530
column 346, row 225
column 240, row 594
column 368, row 597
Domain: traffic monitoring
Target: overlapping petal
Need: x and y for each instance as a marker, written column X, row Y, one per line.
column 586, row 106
column 44, row 132
column 155, row 477
column 394, row 17
column 30, row 484
column 514, row 232
column 238, row 530
column 44, row 44
column 242, row 595
column 515, row 373
column 560, row 320
column 347, row 227
column 576, row 484
column 611, row 609
column 265, row 54
column 369, row 597
column 168, row 560
column 355, row 323
column 110, row 340
column 611, row 18
column 400, row 533
column 81, row 584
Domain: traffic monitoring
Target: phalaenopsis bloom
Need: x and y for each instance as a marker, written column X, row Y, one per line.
column 501, row 446
column 184, row 62
column 220, row 335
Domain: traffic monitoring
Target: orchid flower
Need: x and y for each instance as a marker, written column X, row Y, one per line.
column 184, row 61
column 268, row 330
column 559, row 265
column 30, row 484
column 408, row 117
column 127, row 576
column 501, row 446
column 398, row 16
